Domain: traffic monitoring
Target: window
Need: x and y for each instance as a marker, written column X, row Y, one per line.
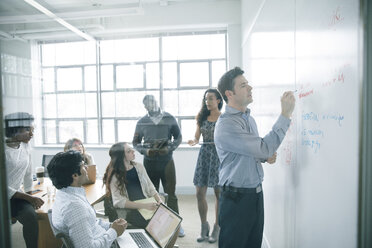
column 100, row 103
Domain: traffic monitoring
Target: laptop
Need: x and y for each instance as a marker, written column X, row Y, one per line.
column 158, row 233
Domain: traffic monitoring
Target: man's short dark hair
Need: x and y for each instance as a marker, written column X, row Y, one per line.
column 227, row 81
column 16, row 121
column 147, row 98
column 62, row 166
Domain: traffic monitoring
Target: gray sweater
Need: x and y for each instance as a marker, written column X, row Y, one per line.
column 161, row 139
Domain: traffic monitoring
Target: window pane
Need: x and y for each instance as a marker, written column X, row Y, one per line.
column 189, row 102
column 107, row 48
column 49, row 106
column 152, row 76
column 194, row 74
column 75, row 53
column 126, row 130
column 108, row 104
column 194, row 47
column 90, row 77
column 91, row 104
column 170, row 101
column 129, row 104
column 69, row 129
column 170, row 75
column 107, row 77
column 71, row 105
column 218, row 69
column 50, row 132
column 69, row 79
column 108, row 131
column 48, row 80
column 130, row 50
column 188, row 129
column 92, row 131
column 48, row 53
column 129, row 76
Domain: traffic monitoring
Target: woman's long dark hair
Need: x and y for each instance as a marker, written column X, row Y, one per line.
column 204, row 112
column 116, row 167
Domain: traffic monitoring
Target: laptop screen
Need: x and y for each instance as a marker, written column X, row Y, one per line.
column 163, row 225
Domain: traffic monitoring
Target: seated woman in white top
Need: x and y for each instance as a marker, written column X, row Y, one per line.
column 126, row 182
column 76, row 145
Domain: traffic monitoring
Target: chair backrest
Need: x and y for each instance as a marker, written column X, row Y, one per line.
column 64, row 237
column 46, row 160
column 110, row 210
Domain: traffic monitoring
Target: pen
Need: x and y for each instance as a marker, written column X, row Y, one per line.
column 44, row 195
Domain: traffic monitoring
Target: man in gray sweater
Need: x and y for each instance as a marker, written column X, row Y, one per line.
column 157, row 135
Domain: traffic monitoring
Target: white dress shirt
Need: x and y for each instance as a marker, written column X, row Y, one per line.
column 19, row 168
column 73, row 215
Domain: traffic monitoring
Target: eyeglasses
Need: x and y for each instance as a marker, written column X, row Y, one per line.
column 77, row 145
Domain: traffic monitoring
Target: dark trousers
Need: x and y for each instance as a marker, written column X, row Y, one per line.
column 241, row 219
column 25, row 213
column 165, row 172
column 135, row 218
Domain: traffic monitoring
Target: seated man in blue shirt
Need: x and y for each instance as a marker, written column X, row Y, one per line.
column 72, row 214
column 241, row 151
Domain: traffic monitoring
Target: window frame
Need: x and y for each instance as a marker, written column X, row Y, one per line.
column 100, row 118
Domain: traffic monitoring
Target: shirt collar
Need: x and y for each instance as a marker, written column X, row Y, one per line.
column 234, row 111
column 74, row 190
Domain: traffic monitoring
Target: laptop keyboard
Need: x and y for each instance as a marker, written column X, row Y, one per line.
column 140, row 240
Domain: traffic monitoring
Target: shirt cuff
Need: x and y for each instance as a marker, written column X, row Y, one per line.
column 112, row 233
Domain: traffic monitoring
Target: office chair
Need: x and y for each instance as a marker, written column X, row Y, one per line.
column 46, row 160
column 67, row 243
column 110, row 210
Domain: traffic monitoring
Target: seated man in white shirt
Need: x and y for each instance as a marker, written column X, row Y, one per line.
column 72, row 214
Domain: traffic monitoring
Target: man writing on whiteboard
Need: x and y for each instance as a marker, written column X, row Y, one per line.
column 241, row 151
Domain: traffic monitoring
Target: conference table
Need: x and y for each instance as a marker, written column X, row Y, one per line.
column 94, row 192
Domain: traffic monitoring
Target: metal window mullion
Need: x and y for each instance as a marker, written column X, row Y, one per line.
column 210, row 73
column 56, row 93
column 57, row 132
column 178, row 86
column 227, row 64
column 43, row 129
column 98, row 93
column 144, row 72
column 116, row 129
column 161, row 87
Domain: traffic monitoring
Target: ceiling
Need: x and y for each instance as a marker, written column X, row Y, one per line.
column 78, row 19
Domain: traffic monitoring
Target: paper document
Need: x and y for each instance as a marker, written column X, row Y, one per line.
column 146, row 214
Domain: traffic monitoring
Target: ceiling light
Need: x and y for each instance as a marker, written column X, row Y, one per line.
column 59, row 20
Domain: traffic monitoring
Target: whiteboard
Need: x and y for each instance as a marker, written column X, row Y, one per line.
column 311, row 47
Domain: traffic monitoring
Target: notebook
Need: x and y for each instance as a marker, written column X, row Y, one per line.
column 158, row 232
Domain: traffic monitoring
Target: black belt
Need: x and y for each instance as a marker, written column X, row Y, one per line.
column 256, row 190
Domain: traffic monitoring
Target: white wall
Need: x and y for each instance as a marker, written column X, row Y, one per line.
column 185, row 16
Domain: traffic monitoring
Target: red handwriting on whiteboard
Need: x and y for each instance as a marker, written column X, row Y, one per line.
column 338, row 77
column 305, row 94
column 336, row 18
